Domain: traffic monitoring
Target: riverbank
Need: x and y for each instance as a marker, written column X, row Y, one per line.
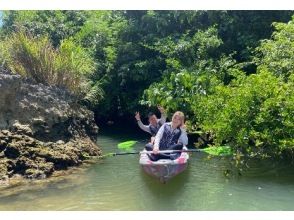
column 43, row 129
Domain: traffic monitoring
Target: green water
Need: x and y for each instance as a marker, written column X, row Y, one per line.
column 118, row 183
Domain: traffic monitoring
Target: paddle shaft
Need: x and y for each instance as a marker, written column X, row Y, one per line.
column 160, row 152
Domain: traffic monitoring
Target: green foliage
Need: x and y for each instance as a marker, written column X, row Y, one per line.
column 57, row 25
column 94, row 93
column 186, row 50
column 184, row 82
column 73, row 66
column 99, row 35
column 30, row 57
column 216, row 66
column 277, row 53
column 68, row 66
column 241, row 31
column 128, row 46
column 254, row 113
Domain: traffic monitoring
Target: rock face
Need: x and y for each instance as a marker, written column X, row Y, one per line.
column 51, row 113
column 42, row 129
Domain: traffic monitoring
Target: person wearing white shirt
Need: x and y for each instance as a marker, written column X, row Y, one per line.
column 154, row 123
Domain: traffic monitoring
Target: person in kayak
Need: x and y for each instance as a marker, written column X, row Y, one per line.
column 171, row 136
column 154, row 122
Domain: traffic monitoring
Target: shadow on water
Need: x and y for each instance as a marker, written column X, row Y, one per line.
column 270, row 171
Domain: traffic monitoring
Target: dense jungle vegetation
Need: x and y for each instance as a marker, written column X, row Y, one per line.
column 230, row 72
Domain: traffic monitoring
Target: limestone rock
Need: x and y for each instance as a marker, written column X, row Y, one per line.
column 42, row 129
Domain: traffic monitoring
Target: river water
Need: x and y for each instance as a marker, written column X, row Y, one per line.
column 118, row 183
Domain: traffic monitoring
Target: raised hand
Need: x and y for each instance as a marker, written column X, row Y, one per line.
column 137, row 116
column 161, row 109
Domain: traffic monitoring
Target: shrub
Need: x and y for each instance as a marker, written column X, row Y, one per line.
column 277, row 54
column 254, row 113
column 67, row 66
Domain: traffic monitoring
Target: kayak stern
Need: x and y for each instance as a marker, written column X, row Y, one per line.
column 164, row 169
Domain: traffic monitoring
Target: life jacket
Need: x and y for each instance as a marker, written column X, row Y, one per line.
column 154, row 129
column 169, row 137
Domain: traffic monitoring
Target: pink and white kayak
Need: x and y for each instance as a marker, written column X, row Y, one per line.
column 164, row 169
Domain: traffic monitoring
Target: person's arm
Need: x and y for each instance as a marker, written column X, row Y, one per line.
column 163, row 117
column 158, row 137
column 143, row 127
column 183, row 138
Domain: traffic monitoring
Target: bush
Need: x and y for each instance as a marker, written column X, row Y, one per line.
column 254, row 113
column 277, row 54
column 67, row 66
column 194, row 69
column 73, row 66
column 30, row 57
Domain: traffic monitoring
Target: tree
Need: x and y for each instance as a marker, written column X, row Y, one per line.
column 277, row 54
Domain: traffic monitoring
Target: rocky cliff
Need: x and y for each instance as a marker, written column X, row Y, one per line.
column 42, row 129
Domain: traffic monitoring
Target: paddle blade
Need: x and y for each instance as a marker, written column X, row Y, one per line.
column 219, row 151
column 126, row 145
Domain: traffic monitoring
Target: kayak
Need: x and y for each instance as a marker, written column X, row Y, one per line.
column 164, row 169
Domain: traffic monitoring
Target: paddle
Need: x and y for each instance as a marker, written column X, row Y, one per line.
column 216, row 151
column 126, row 145
column 160, row 152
